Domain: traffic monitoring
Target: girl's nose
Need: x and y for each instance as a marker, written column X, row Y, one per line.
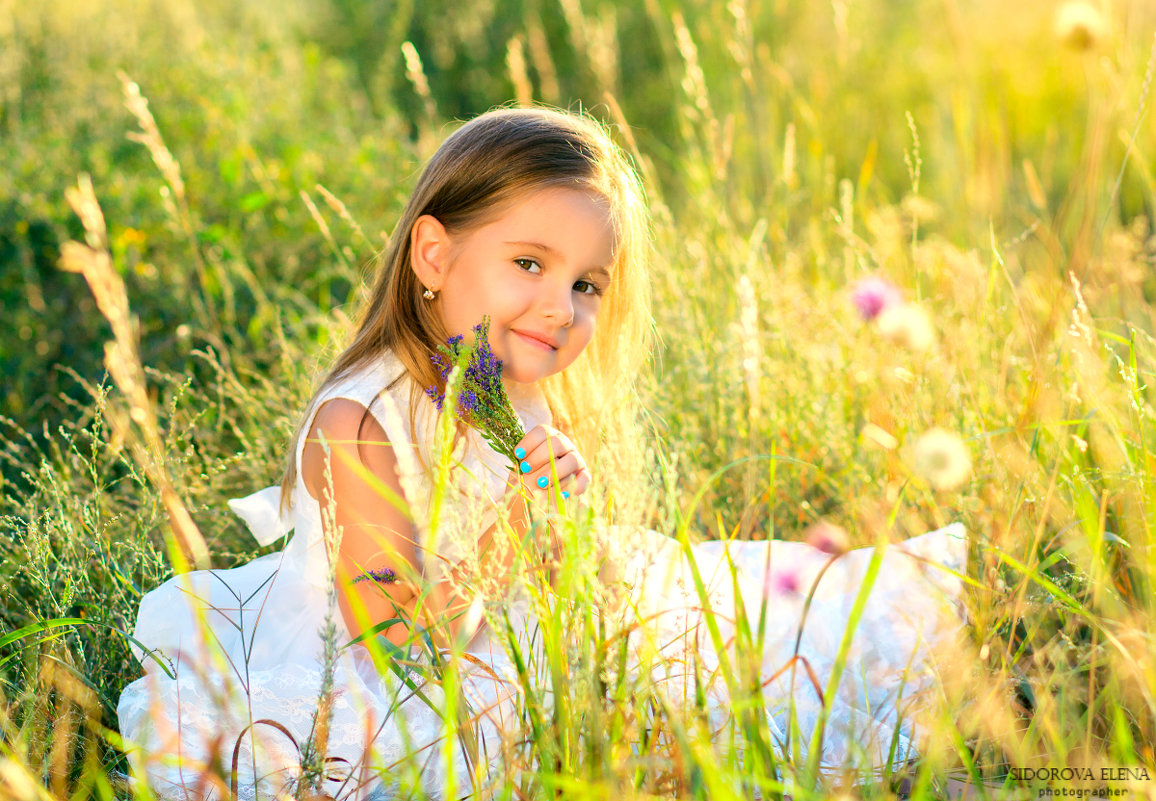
column 558, row 305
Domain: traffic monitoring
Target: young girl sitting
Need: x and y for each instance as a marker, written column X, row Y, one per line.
column 533, row 220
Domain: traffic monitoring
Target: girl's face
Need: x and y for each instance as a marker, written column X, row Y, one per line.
column 538, row 271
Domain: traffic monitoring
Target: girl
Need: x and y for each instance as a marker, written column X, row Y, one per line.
column 533, row 219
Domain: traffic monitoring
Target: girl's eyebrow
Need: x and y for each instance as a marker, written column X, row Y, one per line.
column 602, row 271
column 538, row 245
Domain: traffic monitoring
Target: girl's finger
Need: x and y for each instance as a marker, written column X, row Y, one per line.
column 529, row 442
column 539, row 459
column 577, row 483
column 574, row 485
column 564, row 467
column 527, row 450
column 559, row 445
column 571, row 486
column 537, row 435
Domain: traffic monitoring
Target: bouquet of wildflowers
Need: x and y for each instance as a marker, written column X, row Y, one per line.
column 482, row 400
column 482, row 403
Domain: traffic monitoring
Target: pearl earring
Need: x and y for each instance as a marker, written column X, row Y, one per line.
column 428, row 294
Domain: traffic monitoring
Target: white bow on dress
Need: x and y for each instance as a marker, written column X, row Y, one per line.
column 264, row 515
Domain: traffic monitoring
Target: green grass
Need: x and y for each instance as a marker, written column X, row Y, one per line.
column 1000, row 175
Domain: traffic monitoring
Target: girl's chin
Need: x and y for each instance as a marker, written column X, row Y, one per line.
column 528, row 373
column 524, row 376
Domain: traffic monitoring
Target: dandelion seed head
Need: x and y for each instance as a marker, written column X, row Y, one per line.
column 942, row 459
column 1080, row 25
column 907, row 324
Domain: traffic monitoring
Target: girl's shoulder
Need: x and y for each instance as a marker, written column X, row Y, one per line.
column 384, row 388
column 366, row 382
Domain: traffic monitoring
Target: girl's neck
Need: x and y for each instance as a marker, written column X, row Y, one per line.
column 519, row 389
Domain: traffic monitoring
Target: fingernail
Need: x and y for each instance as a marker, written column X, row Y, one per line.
column 519, row 453
column 525, row 467
column 543, row 482
column 565, row 494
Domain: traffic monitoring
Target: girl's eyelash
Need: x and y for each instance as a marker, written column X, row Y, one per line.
column 523, row 262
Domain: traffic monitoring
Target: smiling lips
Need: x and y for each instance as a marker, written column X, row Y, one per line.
column 538, row 340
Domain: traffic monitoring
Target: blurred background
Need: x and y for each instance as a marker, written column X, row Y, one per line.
column 990, row 160
column 771, row 104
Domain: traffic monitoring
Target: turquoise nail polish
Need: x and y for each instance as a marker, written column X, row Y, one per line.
column 525, row 467
column 565, row 494
column 520, row 453
column 543, row 482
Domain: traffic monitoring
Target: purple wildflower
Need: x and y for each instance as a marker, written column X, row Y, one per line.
column 783, row 582
column 468, row 402
column 874, row 294
column 382, row 576
column 482, row 400
column 828, row 538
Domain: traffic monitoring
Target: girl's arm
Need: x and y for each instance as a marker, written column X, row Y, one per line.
column 375, row 534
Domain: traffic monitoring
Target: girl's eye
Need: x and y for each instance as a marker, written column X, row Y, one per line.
column 583, row 287
column 590, row 288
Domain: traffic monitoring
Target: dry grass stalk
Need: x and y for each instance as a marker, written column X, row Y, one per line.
column 150, row 136
column 602, row 38
column 342, row 211
column 93, row 261
column 519, row 75
column 415, row 74
column 576, row 26
column 752, row 356
column 543, row 62
column 18, row 784
column 694, row 80
column 323, row 226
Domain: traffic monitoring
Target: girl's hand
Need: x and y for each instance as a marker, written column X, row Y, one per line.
column 537, row 473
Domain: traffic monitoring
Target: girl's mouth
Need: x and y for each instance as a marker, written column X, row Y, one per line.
column 537, row 343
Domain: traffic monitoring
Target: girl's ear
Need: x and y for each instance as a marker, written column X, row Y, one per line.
column 429, row 247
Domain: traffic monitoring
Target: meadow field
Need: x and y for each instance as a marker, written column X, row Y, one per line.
column 236, row 165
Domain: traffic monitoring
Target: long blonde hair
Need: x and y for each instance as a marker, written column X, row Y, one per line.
column 481, row 169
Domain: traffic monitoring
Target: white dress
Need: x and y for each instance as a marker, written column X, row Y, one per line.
column 246, row 653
